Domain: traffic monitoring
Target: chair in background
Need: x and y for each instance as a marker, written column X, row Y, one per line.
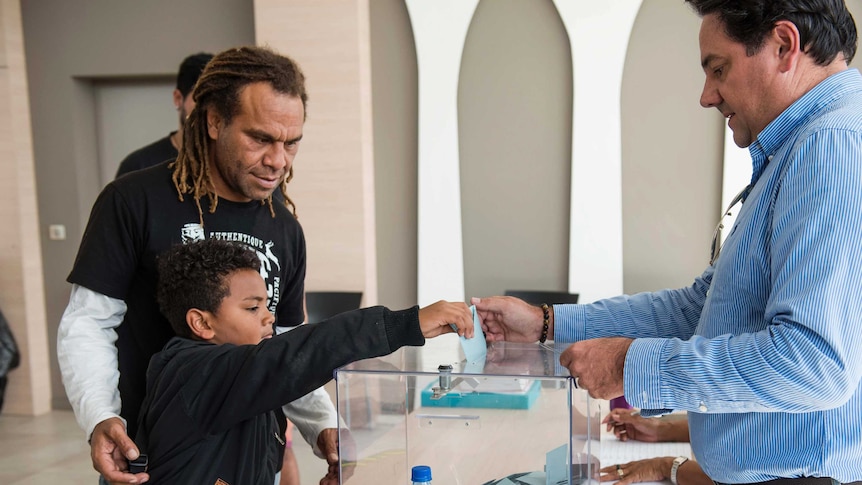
column 537, row 297
column 321, row 305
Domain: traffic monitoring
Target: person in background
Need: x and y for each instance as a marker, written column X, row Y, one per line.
column 208, row 414
column 762, row 350
column 167, row 148
column 10, row 356
column 626, row 425
column 228, row 182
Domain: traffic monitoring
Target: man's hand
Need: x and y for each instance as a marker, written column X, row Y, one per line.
column 328, row 442
column 110, row 448
column 628, row 425
column 597, row 365
column 651, row 470
column 655, row 470
column 434, row 319
column 510, row 319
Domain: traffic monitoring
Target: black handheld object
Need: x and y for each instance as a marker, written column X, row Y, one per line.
column 138, row 465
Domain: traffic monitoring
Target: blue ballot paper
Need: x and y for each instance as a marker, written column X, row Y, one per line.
column 475, row 349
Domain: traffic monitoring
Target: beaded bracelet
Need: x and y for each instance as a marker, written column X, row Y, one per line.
column 546, row 315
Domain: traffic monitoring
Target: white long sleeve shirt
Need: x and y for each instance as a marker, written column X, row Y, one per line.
column 87, row 354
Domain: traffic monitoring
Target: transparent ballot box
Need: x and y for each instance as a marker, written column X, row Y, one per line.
column 516, row 417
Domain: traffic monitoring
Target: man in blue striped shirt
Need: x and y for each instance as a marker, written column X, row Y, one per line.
column 763, row 349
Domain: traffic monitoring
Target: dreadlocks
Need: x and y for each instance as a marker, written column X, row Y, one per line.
column 218, row 89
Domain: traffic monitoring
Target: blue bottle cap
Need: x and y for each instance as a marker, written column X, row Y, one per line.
column 421, row 473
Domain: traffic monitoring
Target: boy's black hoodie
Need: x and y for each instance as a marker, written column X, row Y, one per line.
column 208, row 414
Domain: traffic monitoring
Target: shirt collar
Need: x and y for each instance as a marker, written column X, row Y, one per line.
column 810, row 104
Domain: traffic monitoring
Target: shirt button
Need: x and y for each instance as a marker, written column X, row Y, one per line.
column 770, row 157
column 702, row 407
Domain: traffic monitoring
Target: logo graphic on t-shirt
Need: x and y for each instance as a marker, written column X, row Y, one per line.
column 269, row 264
column 192, row 232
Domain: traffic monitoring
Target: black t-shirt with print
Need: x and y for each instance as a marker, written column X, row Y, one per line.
column 138, row 216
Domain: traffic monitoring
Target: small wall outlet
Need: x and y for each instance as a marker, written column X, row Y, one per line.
column 57, row 232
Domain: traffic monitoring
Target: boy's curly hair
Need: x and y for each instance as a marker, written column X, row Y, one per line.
column 195, row 275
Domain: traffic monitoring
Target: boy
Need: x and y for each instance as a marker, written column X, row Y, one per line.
column 207, row 417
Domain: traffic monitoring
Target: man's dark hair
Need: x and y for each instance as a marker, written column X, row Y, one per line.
column 195, row 275
column 219, row 89
column 190, row 70
column 826, row 27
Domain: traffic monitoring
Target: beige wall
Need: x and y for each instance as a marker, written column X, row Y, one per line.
column 514, row 155
column 22, row 298
column 333, row 182
column 394, row 79
column 515, row 105
column 360, row 216
column 672, row 152
column 71, row 44
column 515, row 123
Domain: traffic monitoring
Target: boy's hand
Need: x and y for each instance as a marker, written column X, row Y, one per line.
column 434, row 319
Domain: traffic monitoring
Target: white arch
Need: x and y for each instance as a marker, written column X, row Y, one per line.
column 599, row 34
column 440, row 30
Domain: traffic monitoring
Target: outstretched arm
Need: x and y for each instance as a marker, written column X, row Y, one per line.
column 661, row 313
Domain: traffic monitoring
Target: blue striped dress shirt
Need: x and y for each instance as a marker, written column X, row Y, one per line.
column 764, row 350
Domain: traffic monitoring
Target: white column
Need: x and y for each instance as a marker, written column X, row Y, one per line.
column 369, row 296
column 736, row 175
column 439, row 29
column 599, row 34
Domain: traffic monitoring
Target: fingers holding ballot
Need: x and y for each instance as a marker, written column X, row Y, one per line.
column 437, row 318
column 510, row 319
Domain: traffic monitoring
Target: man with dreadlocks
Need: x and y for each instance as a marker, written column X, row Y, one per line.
column 228, row 182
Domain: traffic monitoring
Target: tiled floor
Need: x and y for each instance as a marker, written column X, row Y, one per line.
column 51, row 449
column 44, row 450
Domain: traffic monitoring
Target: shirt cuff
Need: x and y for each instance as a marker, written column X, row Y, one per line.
column 569, row 323
column 642, row 376
column 90, row 426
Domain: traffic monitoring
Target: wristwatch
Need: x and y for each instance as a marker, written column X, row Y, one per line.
column 677, row 462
